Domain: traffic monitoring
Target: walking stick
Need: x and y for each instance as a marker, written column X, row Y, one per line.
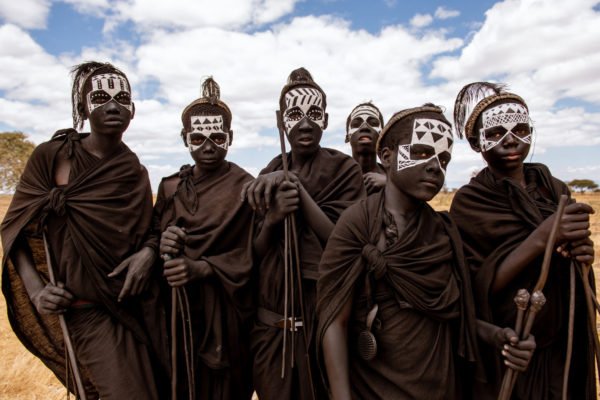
column 537, row 298
column 65, row 329
column 592, row 307
column 291, row 231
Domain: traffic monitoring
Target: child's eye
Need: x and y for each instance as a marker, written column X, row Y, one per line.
column 294, row 115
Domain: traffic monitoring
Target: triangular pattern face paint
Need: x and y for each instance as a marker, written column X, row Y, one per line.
column 207, row 126
column 107, row 87
column 429, row 132
column 507, row 115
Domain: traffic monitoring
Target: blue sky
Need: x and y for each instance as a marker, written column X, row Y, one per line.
column 397, row 53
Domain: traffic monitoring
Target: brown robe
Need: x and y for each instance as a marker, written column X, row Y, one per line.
column 334, row 181
column 425, row 326
column 94, row 222
column 494, row 217
column 218, row 227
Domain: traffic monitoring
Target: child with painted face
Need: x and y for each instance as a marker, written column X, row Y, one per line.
column 323, row 182
column 395, row 309
column 92, row 198
column 363, row 127
column 505, row 215
column 206, row 234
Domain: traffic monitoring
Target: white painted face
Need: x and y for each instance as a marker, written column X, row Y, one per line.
column 501, row 121
column 207, row 127
column 364, row 116
column 431, row 138
column 107, row 87
column 303, row 102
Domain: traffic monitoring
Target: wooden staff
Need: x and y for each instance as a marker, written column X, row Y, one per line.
column 296, row 257
column 592, row 307
column 65, row 329
column 537, row 298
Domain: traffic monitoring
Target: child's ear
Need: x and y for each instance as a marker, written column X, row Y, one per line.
column 81, row 110
column 386, row 155
column 230, row 137
column 325, row 121
column 474, row 142
column 184, row 137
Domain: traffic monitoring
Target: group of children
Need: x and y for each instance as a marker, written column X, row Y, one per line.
column 366, row 292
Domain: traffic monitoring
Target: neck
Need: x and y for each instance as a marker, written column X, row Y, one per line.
column 102, row 145
column 367, row 161
column 200, row 171
column 401, row 206
column 298, row 160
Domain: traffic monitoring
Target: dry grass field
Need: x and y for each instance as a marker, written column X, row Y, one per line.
column 24, row 377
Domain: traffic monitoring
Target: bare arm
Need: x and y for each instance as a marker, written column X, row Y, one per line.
column 573, row 227
column 316, row 218
column 47, row 299
column 335, row 351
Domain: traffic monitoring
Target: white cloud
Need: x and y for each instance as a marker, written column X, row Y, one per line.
column 445, row 13
column 421, row 20
column 29, row 14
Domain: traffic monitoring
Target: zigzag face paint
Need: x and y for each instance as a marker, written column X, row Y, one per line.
column 501, row 121
column 207, row 127
column 107, row 87
column 303, row 102
column 431, row 139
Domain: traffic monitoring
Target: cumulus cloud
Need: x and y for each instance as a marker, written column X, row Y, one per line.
column 445, row 13
column 421, row 20
column 29, row 14
column 179, row 46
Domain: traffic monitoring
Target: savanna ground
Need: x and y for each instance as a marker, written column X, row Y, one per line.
column 24, row 377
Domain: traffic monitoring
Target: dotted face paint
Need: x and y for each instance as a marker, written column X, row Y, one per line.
column 107, row 87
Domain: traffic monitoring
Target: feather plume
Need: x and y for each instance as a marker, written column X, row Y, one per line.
column 468, row 98
column 211, row 90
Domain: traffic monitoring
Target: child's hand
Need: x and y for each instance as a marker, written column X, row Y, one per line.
column 287, row 199
column 517, row 353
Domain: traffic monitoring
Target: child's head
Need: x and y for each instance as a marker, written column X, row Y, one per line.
column 101, row 93
column 302, row 105
column 415, row 148
column 495, row 122
column 207, row 126
column 363, row 127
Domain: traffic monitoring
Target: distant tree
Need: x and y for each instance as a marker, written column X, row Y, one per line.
column 15, row 149
column 582, row 185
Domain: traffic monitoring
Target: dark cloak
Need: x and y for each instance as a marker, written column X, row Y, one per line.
column 426, row 319
column 334, row 181
column 106, row 209
column 494, row 217
column 218, row 227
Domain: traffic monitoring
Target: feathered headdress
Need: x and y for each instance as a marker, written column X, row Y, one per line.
column 211, row 94
column 473, row 99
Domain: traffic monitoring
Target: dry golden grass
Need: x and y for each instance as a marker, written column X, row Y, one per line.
column 24, row 377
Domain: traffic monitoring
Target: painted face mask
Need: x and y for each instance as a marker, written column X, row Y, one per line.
column 303, row 102
column 207, row 127
column 107, row 87
column 501, row 121
column 431, row 138
column 364, row 113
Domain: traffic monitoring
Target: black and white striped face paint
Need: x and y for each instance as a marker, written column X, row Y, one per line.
column 107, row 87
column 431, row 139
column 501, row 121
column 207, row 127
column 303, row 102
column 364, row 116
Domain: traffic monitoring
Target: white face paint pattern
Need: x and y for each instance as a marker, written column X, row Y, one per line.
column 107, row 87
column 507, row 115
column 364, row 112
column 206, row 125
column 303, row 102
column 430, row 132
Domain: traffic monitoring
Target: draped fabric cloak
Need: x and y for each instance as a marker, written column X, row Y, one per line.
column 218, row 227
column 334, row 181
column 104, row 214
column 425, row 326
column 494, row 217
